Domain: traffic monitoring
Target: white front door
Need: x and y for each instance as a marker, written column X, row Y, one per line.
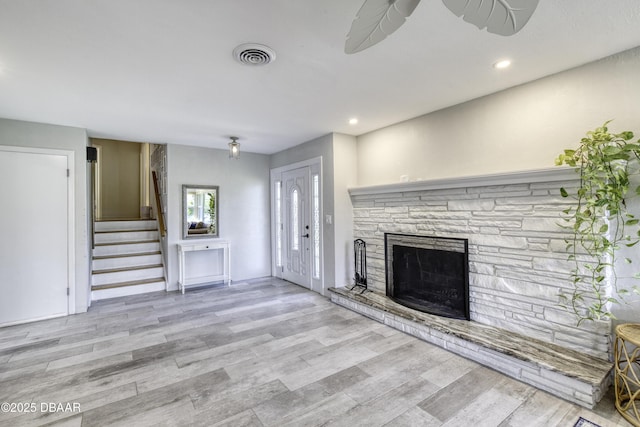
column 296, row 226
column 34, row 260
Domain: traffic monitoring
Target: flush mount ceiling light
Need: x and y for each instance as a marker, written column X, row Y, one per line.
column 234, row 148
column 353, row 121
column 500, row 65
column 254, row 54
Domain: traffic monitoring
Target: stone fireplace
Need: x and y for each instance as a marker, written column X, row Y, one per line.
column 517, row 260
column 429, row 274
column 517, row 268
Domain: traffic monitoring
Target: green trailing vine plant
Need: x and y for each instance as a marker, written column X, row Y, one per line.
column 599, row 221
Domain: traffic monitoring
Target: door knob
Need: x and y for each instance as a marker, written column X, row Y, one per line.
column 306, row 235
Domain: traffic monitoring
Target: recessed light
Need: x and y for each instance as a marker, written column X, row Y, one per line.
column 353, row 121
column 505, row 63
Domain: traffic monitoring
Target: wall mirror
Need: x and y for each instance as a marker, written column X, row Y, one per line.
column 200, row 210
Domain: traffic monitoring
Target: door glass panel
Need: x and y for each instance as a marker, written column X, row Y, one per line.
column 295, row 221
column 278, row 197
column 316, row 226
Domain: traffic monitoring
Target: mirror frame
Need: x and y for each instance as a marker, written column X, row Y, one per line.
column 185, row 215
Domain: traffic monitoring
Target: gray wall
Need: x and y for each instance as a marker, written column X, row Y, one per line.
column 518, row 129
column 244, row 206
column 339, row 163
column 345, row 156
column 38, row 135
column 319, row 147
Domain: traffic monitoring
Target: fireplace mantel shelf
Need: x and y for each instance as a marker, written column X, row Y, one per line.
column 525, row 177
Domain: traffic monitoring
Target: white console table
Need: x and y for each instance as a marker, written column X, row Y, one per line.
column 213, row 247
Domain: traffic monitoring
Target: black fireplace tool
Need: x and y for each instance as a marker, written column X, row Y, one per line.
column 360, row 260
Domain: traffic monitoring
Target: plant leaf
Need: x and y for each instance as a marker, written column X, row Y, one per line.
column 375, row 20
column 502, row 17
column 603, row 162
column 611, row 150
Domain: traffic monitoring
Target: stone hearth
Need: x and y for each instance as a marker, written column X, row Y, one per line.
column 566, row 373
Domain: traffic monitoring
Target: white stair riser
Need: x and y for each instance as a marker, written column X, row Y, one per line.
column 124, row 225
column 128, row 290
column 127, row 276
column 126, row 249
column 126, row 261
column 125, row 236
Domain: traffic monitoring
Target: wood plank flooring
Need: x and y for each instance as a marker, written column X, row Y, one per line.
column 258, row 353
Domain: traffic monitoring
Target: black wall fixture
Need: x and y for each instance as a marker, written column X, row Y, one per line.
column 92, row 154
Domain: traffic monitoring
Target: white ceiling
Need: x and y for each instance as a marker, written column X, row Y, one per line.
column 163, row 70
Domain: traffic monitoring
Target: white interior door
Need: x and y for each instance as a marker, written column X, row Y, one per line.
column 34, row 260
column 296, row 225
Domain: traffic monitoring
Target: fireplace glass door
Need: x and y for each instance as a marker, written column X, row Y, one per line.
column 429, row 274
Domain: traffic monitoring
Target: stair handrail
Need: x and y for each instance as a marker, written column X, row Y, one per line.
column 163, row 229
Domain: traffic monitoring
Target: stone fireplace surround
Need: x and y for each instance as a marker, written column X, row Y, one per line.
column 517, row 258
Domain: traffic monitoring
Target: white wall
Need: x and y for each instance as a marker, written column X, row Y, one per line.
column 629, row 310
column 522, row 128
column 244, row 214
column 38, row 135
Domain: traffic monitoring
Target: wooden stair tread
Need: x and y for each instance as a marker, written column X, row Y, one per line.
column 129, row 268
column 127, row 243
column 124, row 219
column 99, row 257
column 134, row 230
column 129, row 283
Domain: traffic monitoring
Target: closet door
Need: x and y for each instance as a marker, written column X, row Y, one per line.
column 34, row 255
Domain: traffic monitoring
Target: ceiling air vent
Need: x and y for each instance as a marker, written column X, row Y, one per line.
column 254, row 54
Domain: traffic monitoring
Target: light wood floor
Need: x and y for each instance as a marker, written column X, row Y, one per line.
column 260, row 353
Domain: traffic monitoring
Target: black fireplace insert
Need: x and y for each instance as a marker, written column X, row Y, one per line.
column 429, row 274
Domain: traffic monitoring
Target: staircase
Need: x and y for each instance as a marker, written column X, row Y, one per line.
column 126, row 259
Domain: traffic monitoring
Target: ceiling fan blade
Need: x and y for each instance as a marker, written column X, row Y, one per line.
column 502, row 17
column 375, row 20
